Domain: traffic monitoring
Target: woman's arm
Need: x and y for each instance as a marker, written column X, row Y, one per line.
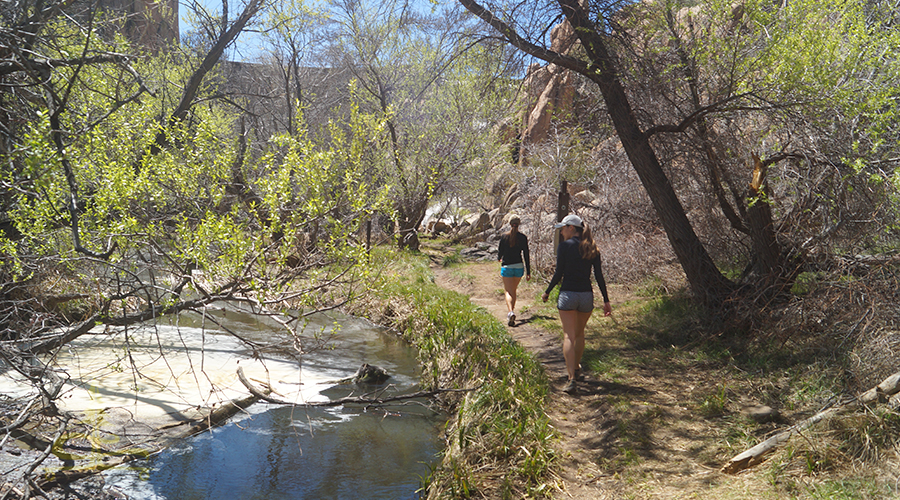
column 598, row 274
column 526, row 257
column 558, row 273
column 601, row 283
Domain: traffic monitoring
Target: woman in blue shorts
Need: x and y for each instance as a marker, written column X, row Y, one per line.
column 514, row 263
column 576, row 256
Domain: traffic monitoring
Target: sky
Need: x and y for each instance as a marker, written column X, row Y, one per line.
column 250, row 45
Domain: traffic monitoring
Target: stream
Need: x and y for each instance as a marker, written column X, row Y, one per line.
column 130, row 381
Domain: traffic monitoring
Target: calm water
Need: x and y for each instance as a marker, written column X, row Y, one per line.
column 282, row 452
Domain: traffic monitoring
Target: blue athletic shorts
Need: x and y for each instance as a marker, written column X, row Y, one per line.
column 575, row 301
column 513, row 271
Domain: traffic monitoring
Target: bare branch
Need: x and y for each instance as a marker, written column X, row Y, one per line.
column 517, row 41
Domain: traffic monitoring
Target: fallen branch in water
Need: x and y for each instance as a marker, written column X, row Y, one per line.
column 878, row 394
column 364, row 399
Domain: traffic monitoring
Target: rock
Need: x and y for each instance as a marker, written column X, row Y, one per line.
column 481, row 251
column 557, row 98
column 496, row 220
column 562, row 38
column 366, row 374
column 474, row 223
column 371, row 374
column 437, row 227
column 584, row 197
column 510, row 197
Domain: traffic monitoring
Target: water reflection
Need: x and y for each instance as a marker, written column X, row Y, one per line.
column 284, row 452
column 289, row 453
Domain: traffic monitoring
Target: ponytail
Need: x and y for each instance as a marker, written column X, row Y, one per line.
column 514, row 222
column 587, row 247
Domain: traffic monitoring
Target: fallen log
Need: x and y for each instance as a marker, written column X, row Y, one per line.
column 218, row 415
column 364, row 400
column 755, row 455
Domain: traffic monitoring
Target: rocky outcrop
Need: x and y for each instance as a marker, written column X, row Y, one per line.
column 473, row 224
column 550, row 94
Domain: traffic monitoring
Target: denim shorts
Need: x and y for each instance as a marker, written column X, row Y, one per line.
column 513, row 271
column 575, row 301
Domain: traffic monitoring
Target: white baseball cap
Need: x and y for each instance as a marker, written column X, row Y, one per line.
column 569, row 220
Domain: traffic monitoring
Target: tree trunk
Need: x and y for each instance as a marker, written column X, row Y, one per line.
column 768, row 263
column 706, row 281
column 410, row 216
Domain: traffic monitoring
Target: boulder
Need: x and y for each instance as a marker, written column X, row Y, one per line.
column 371, row 374
column 556, row 99
column 510, row 197
column 562, row 38
column 584, row 197
column 762, row 414
column 437, row 227
column 475, row 223
column 496, row 220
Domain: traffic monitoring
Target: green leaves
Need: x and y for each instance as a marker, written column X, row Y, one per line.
column 430, row 96
column 202, row 202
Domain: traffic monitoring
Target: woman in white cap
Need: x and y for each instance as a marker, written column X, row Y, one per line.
column 576, row 256
column 515, row 262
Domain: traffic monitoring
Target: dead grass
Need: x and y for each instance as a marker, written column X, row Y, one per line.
column 669, row 386
column 678, row 384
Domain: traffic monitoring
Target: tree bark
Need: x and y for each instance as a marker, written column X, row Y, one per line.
column 768, row 262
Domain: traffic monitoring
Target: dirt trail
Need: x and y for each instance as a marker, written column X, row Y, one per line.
column 633, row 431
column 583, row 420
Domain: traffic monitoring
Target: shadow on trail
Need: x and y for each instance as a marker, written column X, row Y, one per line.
column 533, row 318
column 600, row 387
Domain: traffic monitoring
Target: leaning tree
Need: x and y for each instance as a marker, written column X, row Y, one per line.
column 670, row 75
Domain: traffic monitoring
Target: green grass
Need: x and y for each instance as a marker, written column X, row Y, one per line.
column 652, row 286
column 848, row 490
column 714, row 404
column 500, row 444
column 452, row 259
column 499, row 427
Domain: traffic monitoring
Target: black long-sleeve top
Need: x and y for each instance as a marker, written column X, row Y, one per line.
column 514, row 255
column 574, row 271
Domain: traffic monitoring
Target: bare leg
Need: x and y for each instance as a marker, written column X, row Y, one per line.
column 581, row 323
column 573, row 323
column 571, row 342
column 510, row 285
